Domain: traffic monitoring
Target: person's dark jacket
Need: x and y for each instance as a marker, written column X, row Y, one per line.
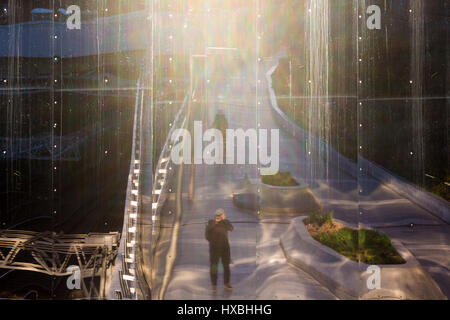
column 217, row 232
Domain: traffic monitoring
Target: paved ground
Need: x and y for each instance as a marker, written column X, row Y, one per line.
column 259, row 269
column 430, row 245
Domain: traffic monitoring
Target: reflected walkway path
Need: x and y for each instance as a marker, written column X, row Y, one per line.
column 259, row 268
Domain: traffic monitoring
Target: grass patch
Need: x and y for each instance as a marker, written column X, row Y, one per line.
column 281, row 179
column 367, row 246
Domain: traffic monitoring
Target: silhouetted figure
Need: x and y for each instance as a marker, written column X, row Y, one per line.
column 219, row 248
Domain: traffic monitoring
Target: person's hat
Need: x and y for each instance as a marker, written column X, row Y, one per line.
column 219, row 213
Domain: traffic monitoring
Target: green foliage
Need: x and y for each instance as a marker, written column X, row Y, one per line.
column 321, row 218
column 367, row 246
column 281, row 179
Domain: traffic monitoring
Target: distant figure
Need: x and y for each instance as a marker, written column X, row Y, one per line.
column 221, row 123
column 219, row 248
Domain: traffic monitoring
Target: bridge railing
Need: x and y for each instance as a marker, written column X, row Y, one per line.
column 164, row 170
column 124, row 282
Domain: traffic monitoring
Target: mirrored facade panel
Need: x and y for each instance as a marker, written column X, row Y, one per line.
column 223, row 150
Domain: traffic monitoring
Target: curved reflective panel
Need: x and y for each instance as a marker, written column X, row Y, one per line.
column 181, row 149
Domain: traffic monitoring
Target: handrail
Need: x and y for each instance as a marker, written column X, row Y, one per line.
column 163, row 171
column 125, row 275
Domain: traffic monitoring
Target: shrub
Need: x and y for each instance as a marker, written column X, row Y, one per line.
column 281, row 179
column 321, row 217
column 368, row 246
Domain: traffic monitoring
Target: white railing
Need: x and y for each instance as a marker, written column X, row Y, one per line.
column 164, row 170
column 124, row 282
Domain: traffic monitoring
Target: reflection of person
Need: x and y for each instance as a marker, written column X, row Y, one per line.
column 219, row 248
column 221, row 123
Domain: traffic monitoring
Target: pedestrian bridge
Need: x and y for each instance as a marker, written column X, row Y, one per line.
column 163, row 253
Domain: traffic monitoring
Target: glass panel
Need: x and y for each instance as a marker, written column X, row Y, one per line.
column 315, row 109
column 403, row 124
column 67, row 97
column 146, row 147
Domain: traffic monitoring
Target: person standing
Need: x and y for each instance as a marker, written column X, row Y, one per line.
column 219, row 248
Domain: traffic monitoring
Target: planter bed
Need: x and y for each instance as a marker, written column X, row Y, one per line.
column 276, row 199
column 347, row 279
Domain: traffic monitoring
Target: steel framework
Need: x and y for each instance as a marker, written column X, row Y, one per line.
column 52, row 253
column 46, row 147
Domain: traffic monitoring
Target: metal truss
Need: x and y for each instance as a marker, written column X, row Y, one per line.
column 61, row 148
column 52, row 253
column 42, row 148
